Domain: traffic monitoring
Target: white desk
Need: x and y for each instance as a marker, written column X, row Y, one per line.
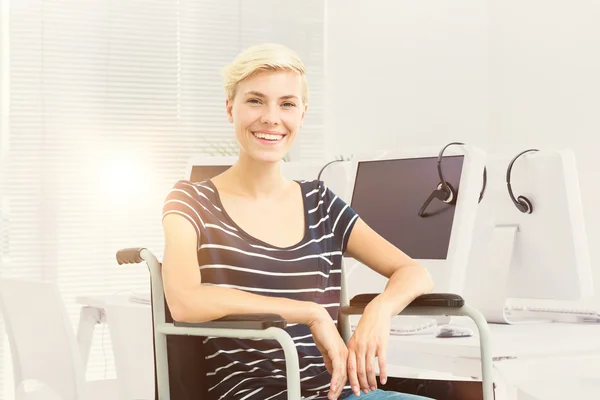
column 553, row 378
column 564, row 347
column 513, row 348
column 130, row 327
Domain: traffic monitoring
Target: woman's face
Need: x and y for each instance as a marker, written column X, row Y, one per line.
column 267, row 112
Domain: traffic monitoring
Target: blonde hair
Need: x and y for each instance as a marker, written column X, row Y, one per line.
column 263, row 57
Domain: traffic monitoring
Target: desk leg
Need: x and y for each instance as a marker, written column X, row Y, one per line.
column 88, row 318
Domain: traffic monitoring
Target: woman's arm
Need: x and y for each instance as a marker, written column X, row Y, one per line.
column 407, row 281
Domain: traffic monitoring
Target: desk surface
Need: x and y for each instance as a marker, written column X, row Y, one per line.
column 513, row 347
column 100, row 301
column 554, row 378
column 509, row 341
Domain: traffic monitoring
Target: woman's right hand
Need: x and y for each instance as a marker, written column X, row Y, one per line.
column 333, row 348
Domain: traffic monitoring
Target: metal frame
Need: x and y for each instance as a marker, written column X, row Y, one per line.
column 162, row 329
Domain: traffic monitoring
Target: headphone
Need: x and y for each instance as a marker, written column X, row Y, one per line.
column 522, row 203
column 444, row 190
column 321, row 171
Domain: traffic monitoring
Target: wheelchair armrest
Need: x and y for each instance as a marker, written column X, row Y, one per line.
column 447, row 300
column 239, row 321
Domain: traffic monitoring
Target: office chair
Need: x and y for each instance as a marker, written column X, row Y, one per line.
column 43, row 344
column 178, row 355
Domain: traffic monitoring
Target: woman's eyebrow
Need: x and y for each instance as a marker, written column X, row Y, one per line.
column 259, row 94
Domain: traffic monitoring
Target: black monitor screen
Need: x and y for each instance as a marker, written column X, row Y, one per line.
column 203, row 172
column 389, row 193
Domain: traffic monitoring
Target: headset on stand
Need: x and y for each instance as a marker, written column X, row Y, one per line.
column 445, row 191
column 522, row 203
column 323, row 169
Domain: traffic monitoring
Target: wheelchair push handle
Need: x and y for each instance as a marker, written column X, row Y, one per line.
column 130, row 255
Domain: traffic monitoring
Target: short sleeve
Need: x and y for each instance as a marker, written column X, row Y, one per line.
column 183, row 199
column 342, row 216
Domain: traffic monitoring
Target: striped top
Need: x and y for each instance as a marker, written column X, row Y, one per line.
column 308, row 271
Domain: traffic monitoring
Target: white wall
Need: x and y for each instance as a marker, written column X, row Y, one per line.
column 545, row 88
column 405, row 72
column 500, row 74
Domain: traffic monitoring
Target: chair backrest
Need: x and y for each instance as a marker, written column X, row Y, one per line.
column 200, row 168
column 185, row 355
column 42, row 342
column 186, row 365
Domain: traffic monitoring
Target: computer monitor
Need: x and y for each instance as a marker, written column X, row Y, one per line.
column 534, row 259
column 388, row 190
column 200, row 168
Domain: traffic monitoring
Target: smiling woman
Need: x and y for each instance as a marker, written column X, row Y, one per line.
column 249, row 240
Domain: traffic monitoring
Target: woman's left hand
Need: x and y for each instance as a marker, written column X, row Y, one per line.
column 370, row 340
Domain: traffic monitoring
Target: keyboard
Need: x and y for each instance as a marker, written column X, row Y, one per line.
column 409, row 325
column 557, row 314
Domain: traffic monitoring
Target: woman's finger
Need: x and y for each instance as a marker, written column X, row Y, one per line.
column 370, row 367
column 361, row 358
column 382, row 360
column 352, row 372
column 344, row 375
column 339, row 373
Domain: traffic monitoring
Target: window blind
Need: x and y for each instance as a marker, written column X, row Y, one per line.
column 108, row 101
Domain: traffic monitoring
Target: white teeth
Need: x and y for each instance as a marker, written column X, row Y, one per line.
column 267, row 136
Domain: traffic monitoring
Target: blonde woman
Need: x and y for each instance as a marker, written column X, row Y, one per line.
column 251, row 241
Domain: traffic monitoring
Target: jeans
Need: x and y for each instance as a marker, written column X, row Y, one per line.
column 385, row 395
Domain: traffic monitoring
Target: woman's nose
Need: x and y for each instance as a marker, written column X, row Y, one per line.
column 270, row 116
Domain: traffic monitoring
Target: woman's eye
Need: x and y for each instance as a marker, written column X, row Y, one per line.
column 254, row 101
column 289, row 104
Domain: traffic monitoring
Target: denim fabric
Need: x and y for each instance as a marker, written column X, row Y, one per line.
column 385, row 395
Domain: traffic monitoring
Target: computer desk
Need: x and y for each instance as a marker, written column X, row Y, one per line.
column 515, row 348
column 130, row 328
column 553, row 351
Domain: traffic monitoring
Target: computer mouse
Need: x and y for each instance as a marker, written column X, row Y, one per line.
column 452, row 331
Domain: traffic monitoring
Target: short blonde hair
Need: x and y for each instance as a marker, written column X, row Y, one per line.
column 263, row 57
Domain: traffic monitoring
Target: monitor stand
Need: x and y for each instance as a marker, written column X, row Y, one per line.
column 489, row 290
column 489, row 282
column 494, row 291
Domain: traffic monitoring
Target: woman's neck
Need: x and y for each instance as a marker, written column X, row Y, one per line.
column 256, row 178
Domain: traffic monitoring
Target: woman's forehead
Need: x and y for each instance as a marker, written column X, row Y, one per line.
column 272, row 84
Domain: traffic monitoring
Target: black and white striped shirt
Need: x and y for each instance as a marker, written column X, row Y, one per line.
column 308, row 271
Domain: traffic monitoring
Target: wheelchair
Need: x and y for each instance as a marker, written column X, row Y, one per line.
column 178, row 355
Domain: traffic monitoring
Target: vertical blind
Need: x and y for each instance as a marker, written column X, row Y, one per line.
column 108, row 101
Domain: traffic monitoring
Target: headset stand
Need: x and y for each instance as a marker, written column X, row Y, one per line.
column 493, row 292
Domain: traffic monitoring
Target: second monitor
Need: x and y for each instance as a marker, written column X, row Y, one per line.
column 536, row 261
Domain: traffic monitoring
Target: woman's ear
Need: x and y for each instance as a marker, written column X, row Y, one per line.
column 229, row 107
column 302, row 118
